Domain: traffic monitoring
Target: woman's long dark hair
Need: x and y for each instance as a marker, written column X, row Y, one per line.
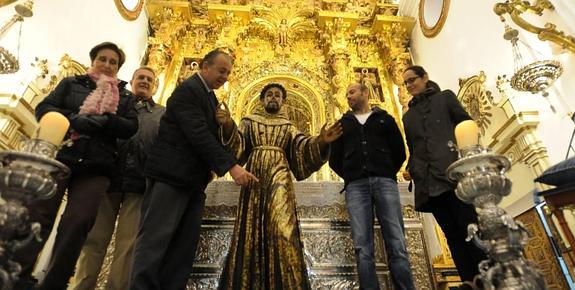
column 420, row 72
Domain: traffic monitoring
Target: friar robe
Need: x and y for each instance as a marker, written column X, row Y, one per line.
column 266, row 251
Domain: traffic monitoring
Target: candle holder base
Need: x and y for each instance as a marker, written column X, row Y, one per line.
column 482, row 182
column 24, row 176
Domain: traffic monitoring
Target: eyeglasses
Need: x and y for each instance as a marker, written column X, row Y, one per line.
column 410, row 80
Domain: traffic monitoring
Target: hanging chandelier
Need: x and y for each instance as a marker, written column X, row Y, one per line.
column 535, row 77
column 8, row 62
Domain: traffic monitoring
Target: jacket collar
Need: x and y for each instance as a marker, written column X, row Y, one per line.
column 374, row 111
column 204, row 82
column 422, row 96
column 149, row 104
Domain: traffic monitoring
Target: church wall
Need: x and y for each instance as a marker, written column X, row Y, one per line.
column 72, row 27
column 472, row 41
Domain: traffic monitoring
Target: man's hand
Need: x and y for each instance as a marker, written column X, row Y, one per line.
column 224, row 119
column 241, row 176
column 330, row 134
column 223, row 115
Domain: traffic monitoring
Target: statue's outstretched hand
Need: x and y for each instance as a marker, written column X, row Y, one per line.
column 330, row 134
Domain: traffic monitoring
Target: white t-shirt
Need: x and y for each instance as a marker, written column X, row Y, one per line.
column 362, row 118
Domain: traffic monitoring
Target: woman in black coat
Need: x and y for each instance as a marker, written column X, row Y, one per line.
column 100, row 110
column 429, row 128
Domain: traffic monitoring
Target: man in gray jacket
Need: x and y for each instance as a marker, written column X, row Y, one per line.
column 124, row 197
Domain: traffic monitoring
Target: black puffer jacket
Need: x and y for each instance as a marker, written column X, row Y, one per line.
column 429, row 129
column 373, row 149
column 98, row 151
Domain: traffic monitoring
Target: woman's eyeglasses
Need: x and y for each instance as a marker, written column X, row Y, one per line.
column 410, row 80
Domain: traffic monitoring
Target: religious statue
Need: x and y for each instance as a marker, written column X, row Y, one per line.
column 266, row 251
column 283, row 32
column 369, row 79
column 199, row 40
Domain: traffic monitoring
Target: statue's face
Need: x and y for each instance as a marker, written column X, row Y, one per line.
column 273, row 100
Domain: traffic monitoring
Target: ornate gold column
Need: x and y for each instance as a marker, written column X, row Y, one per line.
column 168, row 24
column 393, row 34
column 336, row 30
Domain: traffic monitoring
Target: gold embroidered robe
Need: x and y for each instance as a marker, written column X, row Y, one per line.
column 266, row 251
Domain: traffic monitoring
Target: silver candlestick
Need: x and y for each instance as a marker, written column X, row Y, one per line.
column 25, row 175
column 482, row 182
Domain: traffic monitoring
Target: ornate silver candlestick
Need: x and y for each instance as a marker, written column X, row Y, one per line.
column 25, row 175
column 482, row 182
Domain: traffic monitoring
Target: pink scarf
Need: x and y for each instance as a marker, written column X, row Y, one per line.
column 105, row 98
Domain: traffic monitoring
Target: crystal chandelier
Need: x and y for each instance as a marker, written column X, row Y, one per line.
column 8, row 62
column 535, row 77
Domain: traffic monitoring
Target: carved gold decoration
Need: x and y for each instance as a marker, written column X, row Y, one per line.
column 312, row 47
column 515, row 9
column 540, row 250
column 476, row 100
column 129, row 13
column 282, row 26
column 6, row 2
column 432, row 29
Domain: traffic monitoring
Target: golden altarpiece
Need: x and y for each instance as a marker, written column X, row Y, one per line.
column 315, row 49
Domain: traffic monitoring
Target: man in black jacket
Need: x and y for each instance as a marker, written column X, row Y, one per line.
column 179, row 166
column 368, row 157
column 128, row 186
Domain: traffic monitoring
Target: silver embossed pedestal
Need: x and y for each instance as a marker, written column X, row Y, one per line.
column 25, row 175
column 482, row 182
column 325, row 233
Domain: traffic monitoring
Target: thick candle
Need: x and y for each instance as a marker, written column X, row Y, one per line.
column 53, row 127
column 466, row 134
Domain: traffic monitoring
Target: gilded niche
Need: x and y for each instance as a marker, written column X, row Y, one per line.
column 314, row 47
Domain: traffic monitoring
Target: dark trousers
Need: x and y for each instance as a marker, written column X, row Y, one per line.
column 84, row 194
column 168, row 237
column 453, row 216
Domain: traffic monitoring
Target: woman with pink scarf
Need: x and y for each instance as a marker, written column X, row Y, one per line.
column 100, row 111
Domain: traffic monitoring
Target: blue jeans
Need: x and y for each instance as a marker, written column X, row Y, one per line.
column 361, row 196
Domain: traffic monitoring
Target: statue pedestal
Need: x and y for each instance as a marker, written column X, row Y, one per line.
column 325, row 233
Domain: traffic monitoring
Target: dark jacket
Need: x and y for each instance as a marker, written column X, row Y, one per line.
column 372, row 149
column 134, row 151
column 98, row 152
column 187, row 148
column 429, row 129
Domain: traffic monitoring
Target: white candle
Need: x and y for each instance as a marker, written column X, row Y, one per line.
column 466, row 134
column 53, row 127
